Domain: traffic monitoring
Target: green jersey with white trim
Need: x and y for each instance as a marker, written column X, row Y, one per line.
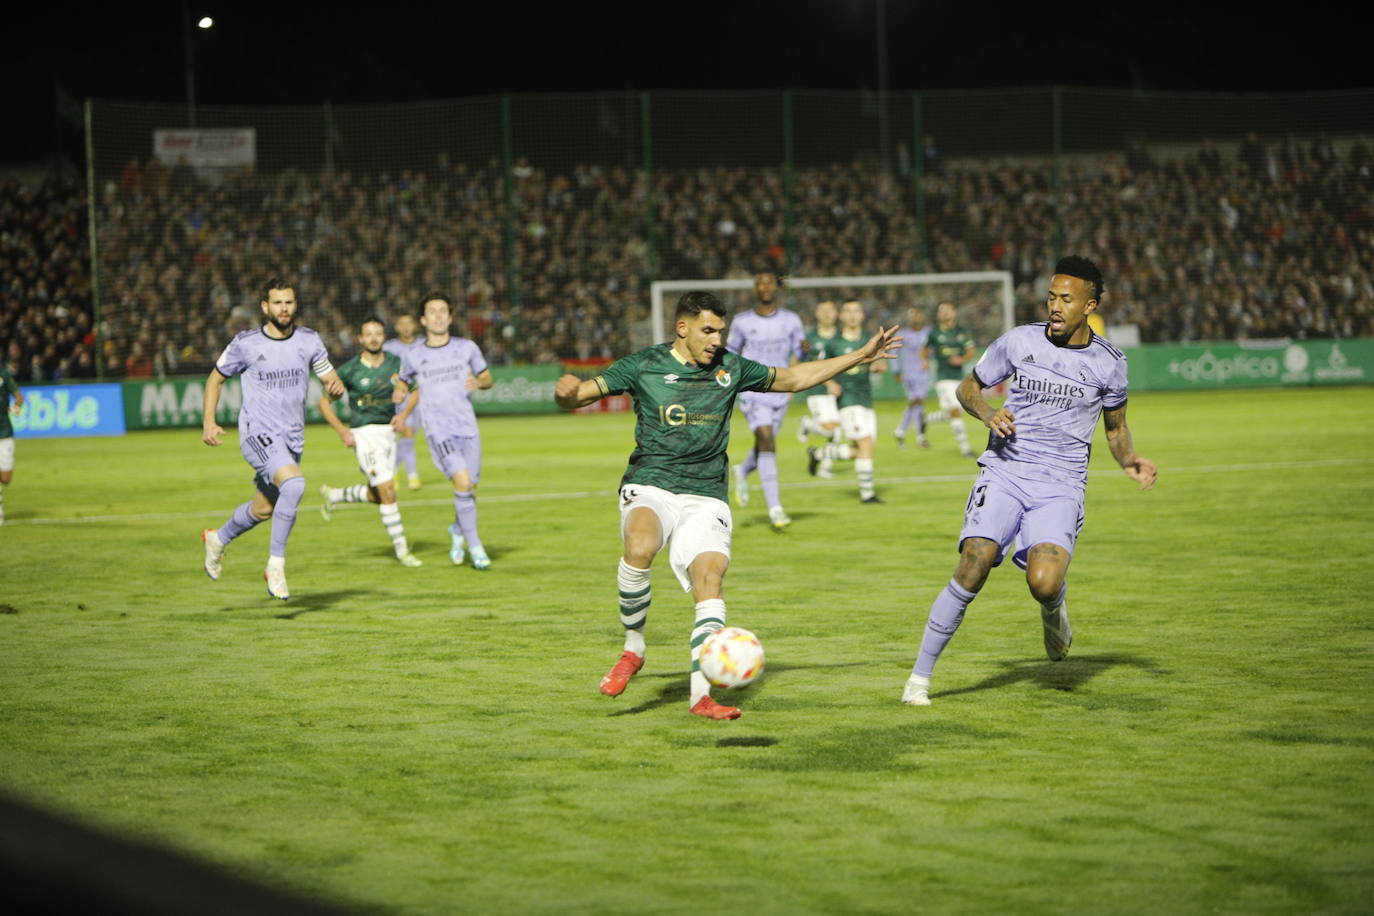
column 682, row 426
column 814, row 348
column 947, row 342
column 369, row 389
column 856, row 386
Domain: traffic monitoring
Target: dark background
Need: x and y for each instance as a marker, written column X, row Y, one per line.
column 279, row 53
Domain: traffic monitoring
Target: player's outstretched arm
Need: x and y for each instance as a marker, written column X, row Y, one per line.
column 326, row 406
column 882, row 345
column 970, row 395
column 402, row 416
column 571, row 392
column 210, row 431
column 1141, row 470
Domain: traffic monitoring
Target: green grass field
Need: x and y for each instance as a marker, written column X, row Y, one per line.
column 432, row 740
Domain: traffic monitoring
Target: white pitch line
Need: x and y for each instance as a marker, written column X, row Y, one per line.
column 610, row 494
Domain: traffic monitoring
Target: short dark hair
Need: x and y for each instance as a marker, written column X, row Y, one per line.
column 277, row 282
column 696, row 302
column 1075, row 265
column 430, row 297
column 373, row 319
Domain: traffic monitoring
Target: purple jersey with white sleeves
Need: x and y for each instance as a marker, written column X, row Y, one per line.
column 441, row 374
column 769, row 339
column 276, row 379
column 1057, row 394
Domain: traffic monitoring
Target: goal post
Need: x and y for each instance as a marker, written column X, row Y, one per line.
column 985, row 298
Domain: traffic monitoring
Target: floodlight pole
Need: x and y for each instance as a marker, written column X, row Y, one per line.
column 190, row 64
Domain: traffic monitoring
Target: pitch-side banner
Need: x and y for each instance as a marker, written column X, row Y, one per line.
column 179, row 402
column 212, row 148
column 70, row 410
column 1252, row 365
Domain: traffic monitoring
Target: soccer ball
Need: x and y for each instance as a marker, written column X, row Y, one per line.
column 731, row 657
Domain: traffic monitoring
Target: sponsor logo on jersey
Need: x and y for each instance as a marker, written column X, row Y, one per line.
column 670, row 378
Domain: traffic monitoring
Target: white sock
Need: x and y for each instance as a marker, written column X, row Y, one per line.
column 276, row 562
column 635, row 595
column 391, row 520
column 354, row 494
column 863, row 469
column 960, row 434
column 710, row 617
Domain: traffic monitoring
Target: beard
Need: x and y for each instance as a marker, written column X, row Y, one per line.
column 273, row 320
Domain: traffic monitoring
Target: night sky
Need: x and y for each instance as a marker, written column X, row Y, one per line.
column 281, row 53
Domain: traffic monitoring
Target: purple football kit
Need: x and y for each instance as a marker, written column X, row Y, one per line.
column 915, row 378
column 773, row 340
column 275, row 375
column 1031, row 485
column 446, row 413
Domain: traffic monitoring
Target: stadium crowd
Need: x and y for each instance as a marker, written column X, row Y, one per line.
column 1271, row 240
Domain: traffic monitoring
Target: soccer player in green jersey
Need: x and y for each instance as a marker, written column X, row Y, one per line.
column 950, row 349
column 673, row 492
column 8, row 389
column 858, row 420
column 369, row 379
column 823, row 416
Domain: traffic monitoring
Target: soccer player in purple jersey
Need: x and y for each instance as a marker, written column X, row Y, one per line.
column 275, row 362
column 914, row 369
column 771, row 335
column 1030, row 489
column 438, row 375
column 407, row 337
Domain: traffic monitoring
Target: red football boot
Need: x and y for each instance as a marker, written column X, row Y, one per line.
column 618, row 678
column 712, row 710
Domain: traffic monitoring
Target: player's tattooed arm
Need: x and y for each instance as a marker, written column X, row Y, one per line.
column 1141, row 470
column 970, row 394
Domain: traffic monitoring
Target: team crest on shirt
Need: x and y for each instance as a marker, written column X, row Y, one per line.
column 365, row 382
column 722, row 378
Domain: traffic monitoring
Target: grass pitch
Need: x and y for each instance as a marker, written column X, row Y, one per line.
column 431, row 740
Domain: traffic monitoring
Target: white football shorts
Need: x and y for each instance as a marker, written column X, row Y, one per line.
column 947, row 391
column 823, row 408
column 7, row 454
column 858, row 422
column 692, row 525
column 375, row 446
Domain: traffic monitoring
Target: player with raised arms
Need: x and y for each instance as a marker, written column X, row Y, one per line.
column 407, row 337
column 275, row 362
column 771, row 335
column 439, row 375
column 1030, row 489
column 673, row 492
column 370, row 379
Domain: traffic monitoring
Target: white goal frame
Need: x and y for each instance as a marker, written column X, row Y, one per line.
column 659, row 288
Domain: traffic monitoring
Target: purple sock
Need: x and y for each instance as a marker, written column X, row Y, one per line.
column 750, row 462
column 284, row 513
column 906, row 421
column 920, row 418
column 768, row 476
column 405, row 453
column 240, row 521
column 465, row 508
column 945, row 616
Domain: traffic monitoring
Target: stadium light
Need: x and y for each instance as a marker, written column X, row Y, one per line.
column 205, row 22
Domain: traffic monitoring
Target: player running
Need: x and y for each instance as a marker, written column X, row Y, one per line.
column 854, row 395
column 1034, row 471
column 950, row 347
column 407, row 337
column 369, row 379
column 275, row 362
column 823, row 414
column 771, row 335
column 8, row 389
column 913, row 368
column 673, row 492
column 439, row 375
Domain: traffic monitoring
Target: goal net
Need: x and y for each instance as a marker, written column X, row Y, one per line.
column 984, row 298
